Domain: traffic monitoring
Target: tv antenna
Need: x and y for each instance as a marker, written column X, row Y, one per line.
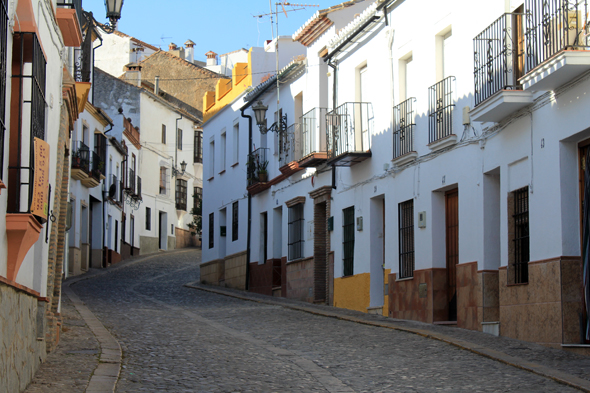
column 282, row 4
column 162, row 38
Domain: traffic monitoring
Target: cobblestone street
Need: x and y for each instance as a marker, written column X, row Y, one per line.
column 180, row 339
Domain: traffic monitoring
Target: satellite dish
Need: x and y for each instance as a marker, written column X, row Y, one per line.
column 112, row 191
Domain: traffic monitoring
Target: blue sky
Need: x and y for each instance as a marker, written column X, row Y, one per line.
column 218, row 25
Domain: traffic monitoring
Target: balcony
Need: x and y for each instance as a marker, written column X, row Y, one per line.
column 403, row 134
column 290, row 149
column 499, row 62
column 96, row 171
column 113, row 192
column 258, row 170
column 313, row 138
column 130, row 187
column 70, row 20
column 440, row 114
column 138, row 190
column 557, row 43
column 80, row 161
column 348, row 134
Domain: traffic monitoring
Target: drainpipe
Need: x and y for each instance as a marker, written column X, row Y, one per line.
column 93, row 56
column 334, row 106
column 249, row 202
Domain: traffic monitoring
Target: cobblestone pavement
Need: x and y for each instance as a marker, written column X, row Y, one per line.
column 178, row 339
column 69, row 367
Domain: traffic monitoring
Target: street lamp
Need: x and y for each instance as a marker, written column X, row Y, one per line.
column 176, row 172
column 113, row 13
column 260, row 115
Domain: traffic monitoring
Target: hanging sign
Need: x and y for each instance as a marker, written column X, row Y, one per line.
column 39, row 203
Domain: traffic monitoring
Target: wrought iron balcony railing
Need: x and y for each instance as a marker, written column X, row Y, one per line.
column 131, row 182
column 290, row 144
column 114, row 188
column 403, row 134
column 440, row 109
column 498, row 61
column 349, row 129
column 97, row 165
column 80, row 156
column 313, row 131
column 138, row 191
column 258, row 166
column 554, row 26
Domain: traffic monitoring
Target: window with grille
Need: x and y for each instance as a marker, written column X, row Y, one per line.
column 181, row 194
column 519, row 228
column 163, row 133
column 236, row 144
column 3, row 40
column 296, row 232
column 348, row 241
column 198, row 153
column 406, row 239
column 179, row 139
column 28, row 76
column 234, row 222
column 148, row 219
column 440, row 109
column 197, row 196
column 403, row 134
column 163, row 180
column 211, row 230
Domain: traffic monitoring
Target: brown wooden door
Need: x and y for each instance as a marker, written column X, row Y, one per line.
column 452, row 247
column 518, row 38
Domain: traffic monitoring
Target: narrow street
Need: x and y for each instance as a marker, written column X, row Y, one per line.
column 180, row 339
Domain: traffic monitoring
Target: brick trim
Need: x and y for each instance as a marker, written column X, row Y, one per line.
column 295, row 201
column 21, row 288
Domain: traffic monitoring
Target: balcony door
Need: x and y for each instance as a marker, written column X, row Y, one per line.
column 364, row 121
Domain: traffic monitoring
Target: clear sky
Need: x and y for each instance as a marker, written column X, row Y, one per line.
column 218, row 25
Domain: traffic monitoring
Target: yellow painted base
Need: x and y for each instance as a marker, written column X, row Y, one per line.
column 386, row 274
column 353, row 292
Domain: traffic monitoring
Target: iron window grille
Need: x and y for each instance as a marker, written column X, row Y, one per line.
column 30, row 77
column 131, row 181
column 440, row 109
column 554, row 26
column 406, row 239
column 197, row 197
column 349, row 129
column 403, row 134
column 138, row 190
column 234, row 222
column 163, row 133
column 296, row 222
column 3, row 68
column 313, row 131
column 179, row 139
column 348, row 241
column 148, row 219
column 256, row 161
column 497, row 59
column 521, row 236
column 211, row 230
column 198, row 153
column 181, row 194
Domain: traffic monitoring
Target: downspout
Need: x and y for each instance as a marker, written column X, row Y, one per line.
column 334, row 106
column 248, row 237
column 93, row 57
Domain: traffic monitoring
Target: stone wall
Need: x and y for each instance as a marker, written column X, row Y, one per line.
column 420, row 298
column 300, row 279
column 186, row 239
column 148, row 245
column 171, row 243
column 20, row 351
column 235, row 270
column 468, row 293
column 213, row 272
column 261, row 277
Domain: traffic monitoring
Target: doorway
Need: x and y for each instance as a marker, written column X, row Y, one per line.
column 320, row 252
column 377, row 257
column 162, row 234
column 452, row 248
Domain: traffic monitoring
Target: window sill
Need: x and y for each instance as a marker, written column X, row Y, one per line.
column 517, row 285
column 235, row 165
column 211, row 178
column 404, row 279
column 222, row 172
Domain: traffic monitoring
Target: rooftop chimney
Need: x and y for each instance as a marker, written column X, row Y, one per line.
column 211, row 58
column 190, row 51
column 157, row 86
column 133, row 74
column 172, row 46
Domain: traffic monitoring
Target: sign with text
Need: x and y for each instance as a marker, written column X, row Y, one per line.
column 39, row 203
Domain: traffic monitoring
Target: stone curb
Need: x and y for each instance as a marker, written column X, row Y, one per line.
column 544, row 371
column 106, row 375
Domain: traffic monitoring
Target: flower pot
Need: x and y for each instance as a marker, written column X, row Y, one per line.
column 263, row 177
